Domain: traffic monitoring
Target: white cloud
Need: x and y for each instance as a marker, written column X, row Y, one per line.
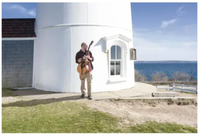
column 154, row 54
column 167, row 23
column 190, row 28
column 189, row 44
column 152, row 46
column 20, row 9
column 32, row 13
column 179, row 9
column 17, row 7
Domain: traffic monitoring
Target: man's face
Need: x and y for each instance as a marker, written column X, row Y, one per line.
column 85, row 46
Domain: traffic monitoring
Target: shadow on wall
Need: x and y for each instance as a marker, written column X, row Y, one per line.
column 101, row 43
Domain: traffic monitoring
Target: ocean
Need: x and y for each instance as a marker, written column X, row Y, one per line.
column 148, row 68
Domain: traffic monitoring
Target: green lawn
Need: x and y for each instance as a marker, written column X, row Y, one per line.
column 72, row 117
column 155, row 127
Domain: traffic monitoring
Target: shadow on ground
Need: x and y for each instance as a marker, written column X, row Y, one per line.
column 7, row 92
column 41, row 101
column 26, row 92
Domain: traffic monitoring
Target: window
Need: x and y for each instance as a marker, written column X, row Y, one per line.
column 117, row 49
column 116, row 60
column 133, row 54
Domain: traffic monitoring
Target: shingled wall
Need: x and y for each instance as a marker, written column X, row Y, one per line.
column 17, row 63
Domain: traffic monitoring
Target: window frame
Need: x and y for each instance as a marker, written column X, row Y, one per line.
column 116, row 60
column 122, row 76
column 123, row 42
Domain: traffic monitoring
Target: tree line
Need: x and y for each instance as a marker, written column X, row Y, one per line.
column 161, row 76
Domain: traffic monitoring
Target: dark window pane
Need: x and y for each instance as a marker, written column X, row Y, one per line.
column 112, row 68
column 118, row 68
column 118, row 52
column 113, row 52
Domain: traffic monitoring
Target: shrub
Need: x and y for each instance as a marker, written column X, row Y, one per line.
column 159, row 76
column 180, row 76
column 139, row 77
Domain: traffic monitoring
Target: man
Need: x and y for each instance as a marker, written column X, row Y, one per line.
column 79, row 56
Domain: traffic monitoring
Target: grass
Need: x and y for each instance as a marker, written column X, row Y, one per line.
column 58, row 117
column 7, row 92
column 188, row 92
column 73, row 117
column 155, row 127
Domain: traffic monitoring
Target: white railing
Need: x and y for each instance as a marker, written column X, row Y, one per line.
column 179, row 87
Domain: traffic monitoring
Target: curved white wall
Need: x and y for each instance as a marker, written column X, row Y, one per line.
column 62, row 27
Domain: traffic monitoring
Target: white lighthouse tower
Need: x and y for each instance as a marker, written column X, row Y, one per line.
column 60, row 30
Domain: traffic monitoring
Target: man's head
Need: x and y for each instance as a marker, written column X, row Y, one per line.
column 84, row 46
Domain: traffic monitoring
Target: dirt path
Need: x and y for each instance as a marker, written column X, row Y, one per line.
column 135, row 112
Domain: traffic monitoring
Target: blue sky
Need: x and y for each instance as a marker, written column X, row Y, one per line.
column 161, row 31
column 165, row 31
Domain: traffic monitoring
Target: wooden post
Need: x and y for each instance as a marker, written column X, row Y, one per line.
column 173, row 86
column 182, row 87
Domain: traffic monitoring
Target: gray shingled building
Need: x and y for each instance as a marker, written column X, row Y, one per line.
column 18, row 38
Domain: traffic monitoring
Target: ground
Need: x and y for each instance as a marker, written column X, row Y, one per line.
column 136, row 112
column 103, row 116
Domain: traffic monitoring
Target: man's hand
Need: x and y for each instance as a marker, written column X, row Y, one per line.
column 79, row 60
column 88, row 57
column 84, row 57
